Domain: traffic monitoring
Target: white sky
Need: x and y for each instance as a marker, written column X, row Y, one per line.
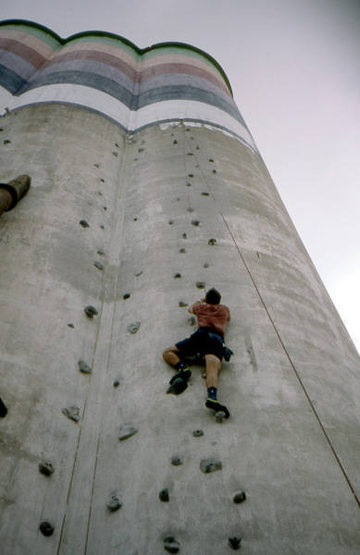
column 294, row 70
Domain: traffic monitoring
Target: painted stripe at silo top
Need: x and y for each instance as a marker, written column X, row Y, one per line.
column 30, row 58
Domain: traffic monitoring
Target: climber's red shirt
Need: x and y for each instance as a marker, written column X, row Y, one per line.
column 214, row 316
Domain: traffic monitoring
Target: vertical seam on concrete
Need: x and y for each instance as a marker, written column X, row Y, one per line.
column 108, row 352
column 292, row 364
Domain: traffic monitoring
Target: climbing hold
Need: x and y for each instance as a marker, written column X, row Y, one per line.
column 178, row 198
column 176, row 276
column 210, row 465
column 206, row 265
column 115, row 154
column 90, row 311
column 97, row 165
column 197, row 147
column 6, row 142
column 3, row 409
column 171, row 222
column 234, row 542
column 176, row 460
column 182, row 250
column 211, row 241
column 100, row 252
column 46, row 468
column 126, row 431
column 188, row 184
column 72, row 412
column 190, row 154
column 46, row 528
column 71, row 326
column 220, row 415
column 126, row 296
column 136, row 159
column 100, row 193
column 102, row 180
column 102, row 227
column 205, row 194
column 133, row 327
column 134, row 219
column 175, row 142
column 184, row 236
column 171, row 544
column 198, row 433
column 164, row 495
column 84, row 223
column 116, row 383
column 98, row 265
column 113, row 504
column 200, row 284
column 140, row 150
column 105, row 207
column 211, row 160
column 182, row 304
column 214, row 171
column 84, row 367
column 139, row 274
column 117, row 146
column 195, row 222
column 239, row 497
column 190, row 209
column 190, row 175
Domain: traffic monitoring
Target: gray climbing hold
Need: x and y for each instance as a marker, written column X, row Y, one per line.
column 102, row 227
column 195, row 222
column 102, row 180
column 46, row 528
column 210, row 465
column 190, row 154
column 164, row 495
column 171, row 544
column 140, row 150
column 177, row 275
column 72, row 412
column 97, row 165
column 206, row 265
column 46, row 468
column 6, row 141
column 90, row 311
column 214, row 171
column 239, row 497
column 175, row 142
column 113, row 504
column 200, row 284
column 104, row 207
column 188, row 184
column 84, row 223
column 116, row 383
column 198, row 433
column 117, row 146
column 100, row 194
column 234, row 542
column 70, row 325
column 184, row 236
column 211, row 241
column 115, row 154
column 98, row 265
column 220, row 416
column 171, row 222
column 100, row 252
column 126, row 296
column 133, row 327
column 84, row 367
column 190, row 209
column 126, row 431
column 182, row 304
column 182, row 250
column 211, row 160
column 197, row 147
column 139, row 274
column 176, row 460
column 190, row 175
column 205, row 194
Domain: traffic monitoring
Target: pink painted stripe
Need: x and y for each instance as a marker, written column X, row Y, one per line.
column 35, row 43
column 20, row 49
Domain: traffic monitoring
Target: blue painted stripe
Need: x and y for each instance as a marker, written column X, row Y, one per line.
column 10, row 80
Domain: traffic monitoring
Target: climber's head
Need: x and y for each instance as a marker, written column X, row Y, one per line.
column 213, row 296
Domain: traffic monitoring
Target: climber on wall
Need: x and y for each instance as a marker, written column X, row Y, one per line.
column 208, row 342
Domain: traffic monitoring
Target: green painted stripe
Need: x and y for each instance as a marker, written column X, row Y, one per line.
column 36, row 31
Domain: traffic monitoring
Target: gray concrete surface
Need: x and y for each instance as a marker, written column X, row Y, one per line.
column 292, row 442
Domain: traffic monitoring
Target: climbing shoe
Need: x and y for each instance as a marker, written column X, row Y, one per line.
column 178, row 382
column 184, row 375
column 216, row 406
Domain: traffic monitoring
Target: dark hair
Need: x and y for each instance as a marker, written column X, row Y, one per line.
column 212, row 296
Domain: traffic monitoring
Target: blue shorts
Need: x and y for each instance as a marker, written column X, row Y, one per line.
column 205, row 341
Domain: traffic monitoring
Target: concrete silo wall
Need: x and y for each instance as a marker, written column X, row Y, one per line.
column 150, row 202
